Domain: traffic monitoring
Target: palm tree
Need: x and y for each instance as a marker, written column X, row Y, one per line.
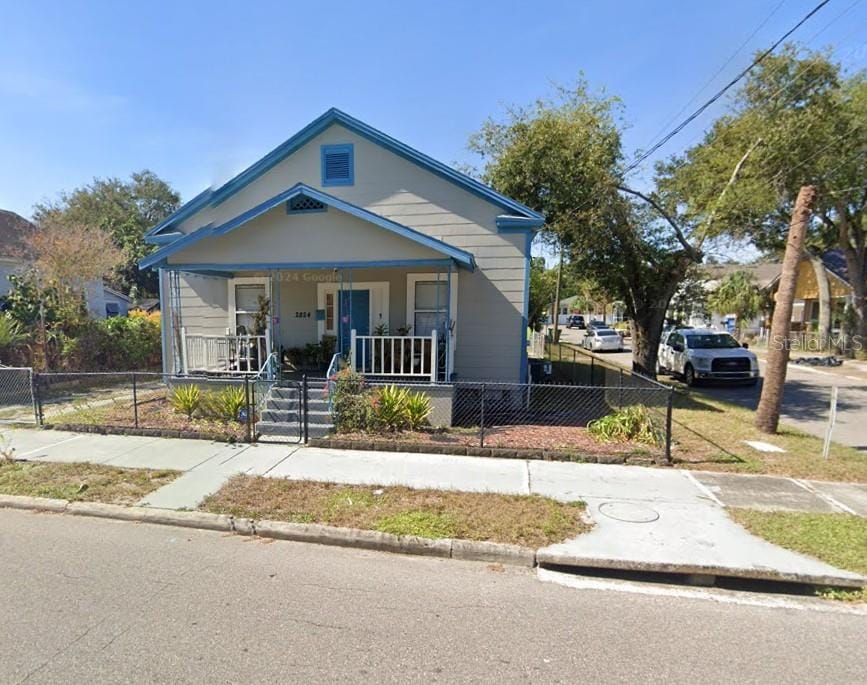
column 768, row 411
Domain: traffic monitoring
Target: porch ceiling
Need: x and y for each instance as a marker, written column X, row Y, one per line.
column 412, row 248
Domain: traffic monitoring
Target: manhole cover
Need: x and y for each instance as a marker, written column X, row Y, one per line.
column 625, row 511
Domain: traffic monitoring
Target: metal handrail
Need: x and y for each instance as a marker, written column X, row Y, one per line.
column 268, row 370
column 333, row 368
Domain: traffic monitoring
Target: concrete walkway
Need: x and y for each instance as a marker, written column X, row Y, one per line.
column 645, row 518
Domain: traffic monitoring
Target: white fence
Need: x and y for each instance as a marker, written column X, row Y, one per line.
column 536, row 345
column 229, row 354
column 394, row 355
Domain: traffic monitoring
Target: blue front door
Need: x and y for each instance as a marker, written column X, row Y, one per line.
column 354, row 313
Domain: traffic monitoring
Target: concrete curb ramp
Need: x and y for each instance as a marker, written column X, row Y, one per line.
column 466, row 550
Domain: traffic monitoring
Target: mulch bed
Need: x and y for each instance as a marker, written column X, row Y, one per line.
column 554, row 443
column 155, row 418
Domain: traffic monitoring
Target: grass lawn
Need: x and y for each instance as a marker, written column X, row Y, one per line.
column 837, row 539
column 709, row 434
column 532, row 521
column 81, row 482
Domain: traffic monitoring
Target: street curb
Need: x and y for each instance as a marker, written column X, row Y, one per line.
column 546, row 558
column 446, row 548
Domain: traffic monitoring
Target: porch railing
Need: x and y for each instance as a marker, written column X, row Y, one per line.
column 223, row 354
column 394, row 355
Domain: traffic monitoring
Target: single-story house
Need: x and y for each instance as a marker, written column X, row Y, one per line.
column 116, row 303
column 347, row 240
column 14, row 259
column 805, row 311
column 765, row 276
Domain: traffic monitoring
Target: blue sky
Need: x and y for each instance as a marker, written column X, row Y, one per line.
column 196, row 91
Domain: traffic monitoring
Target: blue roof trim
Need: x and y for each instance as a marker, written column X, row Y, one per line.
column 460, row 256
column 313, row 129
column 163, row 238
column 264, row 266
column 518, row 224
column 184, row 211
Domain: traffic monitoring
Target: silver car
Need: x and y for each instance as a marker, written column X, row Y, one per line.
column 603, row 340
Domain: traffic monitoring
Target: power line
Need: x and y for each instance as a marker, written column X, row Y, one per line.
column 718, row 71
column 758, row 60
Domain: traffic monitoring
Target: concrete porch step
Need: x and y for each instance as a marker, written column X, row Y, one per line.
column 293, row 429
column 294, row 415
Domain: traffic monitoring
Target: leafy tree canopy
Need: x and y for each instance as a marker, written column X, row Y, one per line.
column 123, row 209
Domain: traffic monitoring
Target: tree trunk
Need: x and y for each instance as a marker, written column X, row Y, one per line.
column 851, row 238
column 554, row 334
column 824, row 300
column 768, row 412
column 646, row 334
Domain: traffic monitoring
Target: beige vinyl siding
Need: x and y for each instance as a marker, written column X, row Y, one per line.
column 491, row 299
column 204, row 304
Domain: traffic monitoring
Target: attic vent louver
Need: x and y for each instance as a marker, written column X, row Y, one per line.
column 338, row 165
column 302, row 203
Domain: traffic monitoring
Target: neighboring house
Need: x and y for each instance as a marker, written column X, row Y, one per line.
column 14, row 259
column 611, row 312
column 148, row 305
column 346, row 237
column 116, row 303
column 805, row 311
column 765, row 276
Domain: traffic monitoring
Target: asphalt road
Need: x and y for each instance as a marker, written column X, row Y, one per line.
column 806, row 397
column 99, row 601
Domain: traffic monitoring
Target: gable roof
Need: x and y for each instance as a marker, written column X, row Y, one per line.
column 764, row 273
column 314, row 128
column 836, row 264
column 14, row 231
column 462, row 257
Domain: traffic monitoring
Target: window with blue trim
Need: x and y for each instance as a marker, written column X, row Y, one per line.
column 338, row 165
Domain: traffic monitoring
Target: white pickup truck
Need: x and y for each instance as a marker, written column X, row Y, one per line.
column 698, row 354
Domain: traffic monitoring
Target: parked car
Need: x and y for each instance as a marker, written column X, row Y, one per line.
column 594, row 323
column 698, row 354
column 603, row 340
column 576, row 321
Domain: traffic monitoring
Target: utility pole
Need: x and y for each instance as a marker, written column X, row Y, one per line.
column 768, row 412
column 557, row 292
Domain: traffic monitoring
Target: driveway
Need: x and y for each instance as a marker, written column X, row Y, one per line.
column 806, row 397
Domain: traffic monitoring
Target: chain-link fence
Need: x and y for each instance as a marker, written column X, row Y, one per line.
column 17, row 400
column 222, row 408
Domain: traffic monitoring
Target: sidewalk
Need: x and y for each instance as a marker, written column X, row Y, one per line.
column 647, row 519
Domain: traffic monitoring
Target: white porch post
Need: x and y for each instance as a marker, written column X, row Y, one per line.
column 184, row 367
column 352, row 357
column 433, row 356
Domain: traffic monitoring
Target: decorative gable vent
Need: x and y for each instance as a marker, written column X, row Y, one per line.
column 338, row 165
column 302, row 203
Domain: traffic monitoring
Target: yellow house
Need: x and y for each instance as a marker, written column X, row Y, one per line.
column 805, row 311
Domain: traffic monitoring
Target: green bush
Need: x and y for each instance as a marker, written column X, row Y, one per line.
column 389, row 408
column 632, row 424
column 225, row 405
column 350, row 402
column 418, row 410
column 186, row 399
column 118, row 343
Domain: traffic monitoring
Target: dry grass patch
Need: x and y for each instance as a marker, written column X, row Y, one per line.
column 532, row 521
column 81, row 482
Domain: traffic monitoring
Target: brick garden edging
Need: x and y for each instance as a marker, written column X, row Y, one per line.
column 144, row 432
column 473, row 451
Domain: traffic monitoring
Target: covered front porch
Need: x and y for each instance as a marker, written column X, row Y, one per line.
column 389, row 322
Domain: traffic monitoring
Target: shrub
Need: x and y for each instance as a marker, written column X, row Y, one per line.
column 630, row 424
column 117, row 344
column 418, row 410
column 186, row 399
column 225, row 404
column 11, row 336
column 350, row 402
column 389, row 408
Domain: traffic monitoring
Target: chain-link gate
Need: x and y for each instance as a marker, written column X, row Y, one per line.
column 17, row 398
